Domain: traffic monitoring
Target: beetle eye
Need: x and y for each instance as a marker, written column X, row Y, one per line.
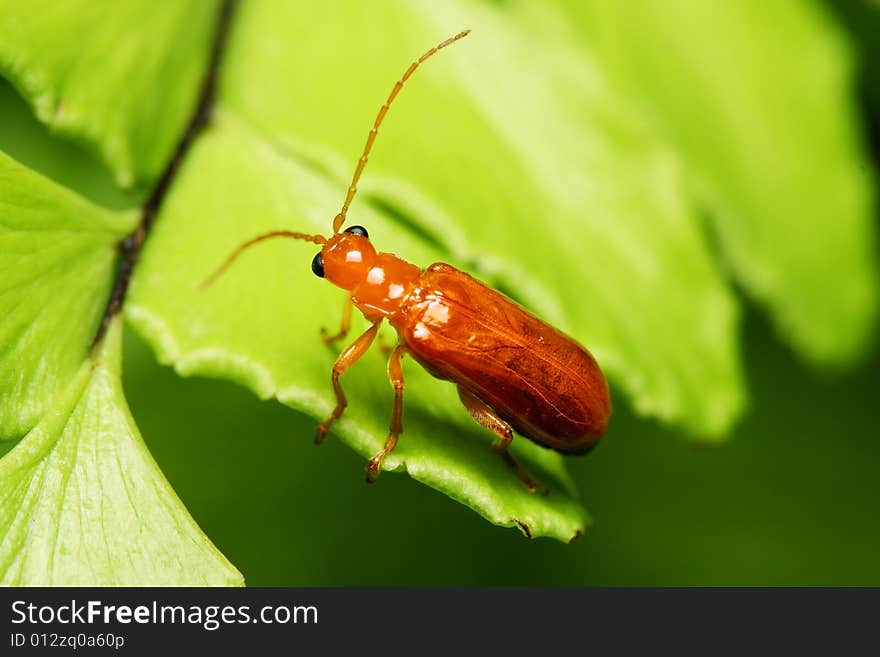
column 358, row 230
column 318, row 265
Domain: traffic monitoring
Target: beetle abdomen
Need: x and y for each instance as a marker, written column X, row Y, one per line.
column 543, row 383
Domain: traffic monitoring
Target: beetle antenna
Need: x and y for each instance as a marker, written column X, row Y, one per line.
column 371, row 137
column 232, row 257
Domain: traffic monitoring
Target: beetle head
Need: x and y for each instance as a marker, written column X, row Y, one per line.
column 346, row 258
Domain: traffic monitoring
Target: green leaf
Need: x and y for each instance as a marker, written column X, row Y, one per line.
column 259, row 325
column 26, row 140
column 516, row 155
column 83, row 503
column 122, row 77
column 564, row 171
column 759, row 98
column 57, row 254
column 592, row 205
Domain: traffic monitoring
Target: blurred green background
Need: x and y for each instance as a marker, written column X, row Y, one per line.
column 791, row 498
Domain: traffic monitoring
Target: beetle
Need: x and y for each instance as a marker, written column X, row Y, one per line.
column 514, row 372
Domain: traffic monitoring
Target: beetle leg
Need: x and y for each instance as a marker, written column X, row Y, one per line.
column 326, row 338
column 485, row 416
column 346, row 359
column 395, row 375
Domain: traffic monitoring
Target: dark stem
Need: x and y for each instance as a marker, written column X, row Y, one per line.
column 130, row 247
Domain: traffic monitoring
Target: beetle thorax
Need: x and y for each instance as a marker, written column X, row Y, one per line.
column 386, row 286
column 379, row 282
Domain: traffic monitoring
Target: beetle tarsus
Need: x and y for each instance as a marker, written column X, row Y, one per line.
column 374, row 467
column 321, row 433
column 532, row 485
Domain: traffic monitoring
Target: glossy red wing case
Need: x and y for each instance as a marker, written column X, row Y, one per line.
column 543, row 383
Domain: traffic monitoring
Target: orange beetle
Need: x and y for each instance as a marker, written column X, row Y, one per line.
column 513, row 371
